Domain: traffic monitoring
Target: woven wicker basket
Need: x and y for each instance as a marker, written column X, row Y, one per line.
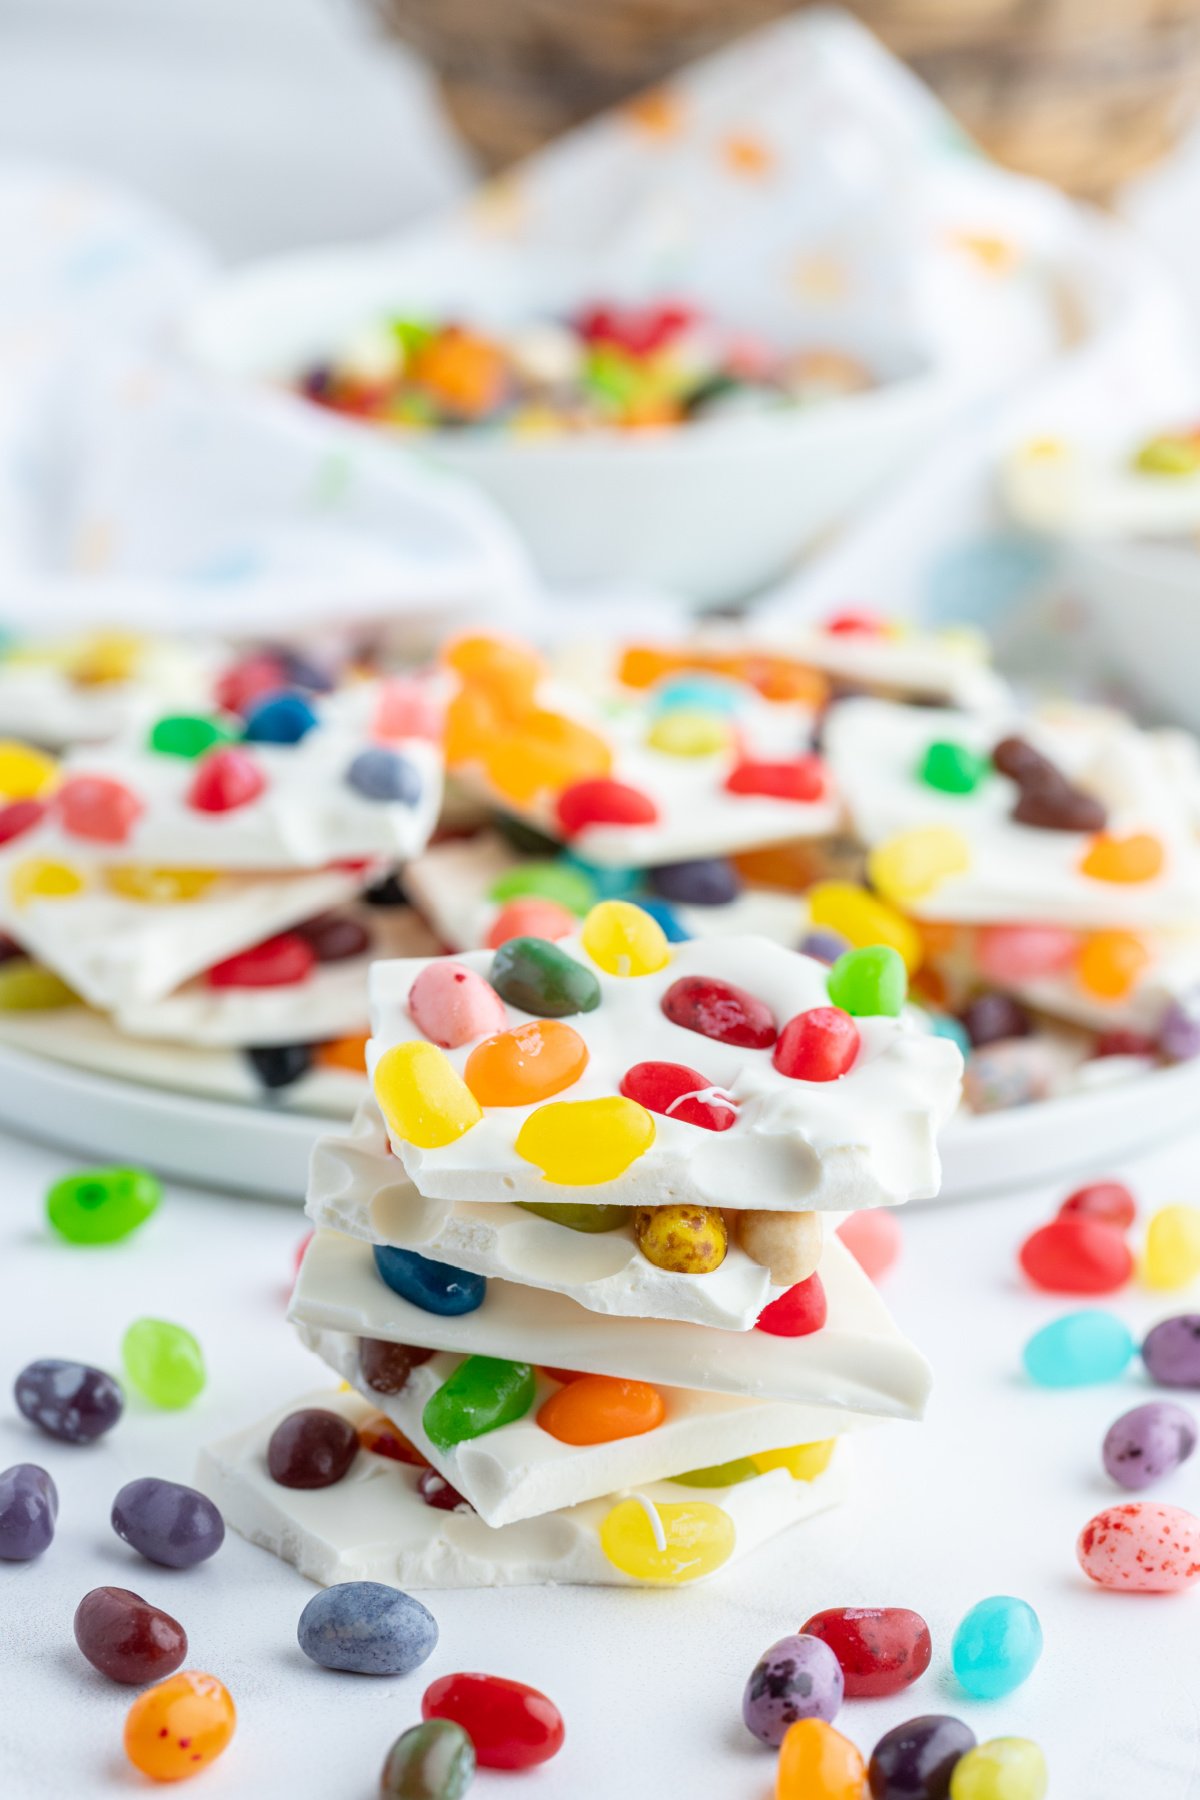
column 1082, row 92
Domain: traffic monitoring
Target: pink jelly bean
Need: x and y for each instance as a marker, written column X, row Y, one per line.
column 1141, row 1546
column 93, row 806
column 1010, row 954
column 452, row 1005
column 873, row 1238
column 407, row 709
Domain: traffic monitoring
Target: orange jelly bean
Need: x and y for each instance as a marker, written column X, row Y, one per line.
column 1136, row 858
column 530, row 918
column 343, row 1053
column 548, row 751
column 472, row 723
column 818, row 1763
column 1110, row 962
column 377, row 1433
column 466, row 371
column 527, row 1064
column 597, row 1409
column 507, row 671
column 177, row 1728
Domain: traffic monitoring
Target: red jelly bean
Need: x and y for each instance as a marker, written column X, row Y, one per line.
column 881, row 1649
column 798, row 1313
column 225, row 779
column 93, row 806
column 718, row 1010
column 1077, row 1255
column 511, row 1726
column 855, row 622
column 603, row 802
column 679, row 1093
column 803, row 778
column 436, row 1491
column 126, row 1638
column 1107, row 1200
column 873, row 1238
column 1124, row 1043
column 279, row 962
column 20, row 817
column 818, row 1045
column 250, row 680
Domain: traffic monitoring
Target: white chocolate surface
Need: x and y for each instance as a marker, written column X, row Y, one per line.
column 42, row 702
column 951, row 666
column 1062, row 487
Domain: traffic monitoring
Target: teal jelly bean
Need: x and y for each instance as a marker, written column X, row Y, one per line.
column 720, row 1475
column 953, row 769
column 164, row 1362
column 946, row 1026
column 541, row 979
column 869, row 981
column 607, row 884
column 698, row 693
column 1079, row 1349
column 996, row 1647
column 549, row 881
column 98, row 1206
column 483, row 1393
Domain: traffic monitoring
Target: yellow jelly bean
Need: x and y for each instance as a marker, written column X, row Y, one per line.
column 37, row 879
column 693, row 1539
column 864, row 920
column 1001, row 1769
column 580, row 1143
column 422, row 1097
column 24, row 773
column 803, row 1462
column 624, row 940
column 686, row 733
column 1172, row 1247
column 1110, row 962
column 158, row 887
column 914, row 863
column 108, row 656
column 24, row 987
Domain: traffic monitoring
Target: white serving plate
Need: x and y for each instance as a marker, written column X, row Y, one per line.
column 1143, row 598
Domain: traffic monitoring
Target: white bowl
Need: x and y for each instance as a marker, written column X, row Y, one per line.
column 1144, row 600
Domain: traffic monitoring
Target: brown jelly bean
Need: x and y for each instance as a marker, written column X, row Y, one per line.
column 126, row 1638
column 435, row 1490
column 386, row 1367
column 1053, row 804
column 1020, row 761
column 312, row 1448
column 717, row 1009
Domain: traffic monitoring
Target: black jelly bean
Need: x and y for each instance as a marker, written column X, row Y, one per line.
column 279, row 1065
column 312, row 1448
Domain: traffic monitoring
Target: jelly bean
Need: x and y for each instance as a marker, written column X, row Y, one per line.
column 28, row 1510
column 248, row 680
column 278, row 962
column 407, row 709
column 1107, row 1200
column 944, row 1026
column 666, row 916
column 880, row 1649
column 95, row 807
column 824, row 946
column 818, row 1763
column 559, row 881
column 334, row 938
column 451, row 1004
column 98, row 1206
column 680, row 1093
column 915, row 1761
column 869, row 981
column 1148, row 1443
column 24, row 772
column 311, row 1448
column 1110, row 963
column 599, row 1409
column 483, row 1393
column 703, row 691
column 696, row 1538
column 992, row 1018
column 381, row 1437
column 511, row 1726
column 687, row 1240
column 1013, row 1072
column 1012, row 954
column 709, row 881
column 1142, row 1546
column 386, row 1367
column 384, row 775
column 801, row 778
column 865, row 920
column 607, row 882
column 158, row 887
column 1077, row 1255
column 624, row 939
column 530, row 918
column 279, row 1065
column 1131, row 859
column 540, row 978
column 996, row 1646
column 280, row 718
column 343, row 1053
column 1001, row 1769
column 716, row 1009
column 436, row 1491
column 788, row 1244
column 167, row 1523
column 177, row 1728
column 913, row 864
column 126, row 1638
column 1124, row 1043
column 803, row 1462
column 526, row 1064
column 1079, row 1350
column 953, row 769
column 603, row 802
column 1179, row 1032
column 367, row 1628
column 1171, row 1351
column 164, row 1362
column 818, row 1045
column 580, row 1218
column 186, row 735
column 797, row 1678
column 546, row 752
column 68, row 1400
column 26, row 988
column 38, row 879
column 580, row 1143
column 19, row 818
column 432, row 1761
column 689, row 732
column 873, row 1237
column 435, row 1287
column 720, row 1475
column 1049, row 802
column 1172, row 1258
column 798, row 1313
column 422, row 1097
column 525, row 838
column 225, row 780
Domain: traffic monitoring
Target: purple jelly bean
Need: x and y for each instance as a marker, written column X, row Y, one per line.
column 1179, row 1033
column 68, row 1400
column 824, row 946
column 28, row 1509
column 797, row 1678
column 1144, row 1445
column 993, row 1018
column 915, row 1761
column 167, row 1523
column 1171, row 1351
column 708, row 881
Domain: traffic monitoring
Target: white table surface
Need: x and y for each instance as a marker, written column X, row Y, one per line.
column 987, row 1497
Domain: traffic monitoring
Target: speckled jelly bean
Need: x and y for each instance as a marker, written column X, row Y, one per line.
column 164, row 1362
column 996, row 1646
column 915, row 1761
column 1014, row 1072
column 993, row 1018
column 953, row 769
column 541, row 979
column 176, row 1729
column 99, row 1206
column 797, row 1678
column 279, row 1065
column 526, row 1064
column 68, row 1400
column 1171, row 1351
column 279, row 961
column 279, row 719
column 1148, row 1443
column 311, row 1448
column 863, row 919
column 880, row 1649
column 709, row 881
column 687, row 1240
column 818, row 1763
column 874, row 1238
column 824, row 946
column 581, row 1143
column 719, row 1010
column 559, row 881
column 422, row 1096
column 624, row 940
column 871, row 981
column 431, row 1761
column 168, row 1523
column 1141, row 1546
column 1107, row 1200
column 798, row 1313
column 692, row 1539
column 1079, row 1350
column 483, row 1393
column 28, row 1510
column 436, row 1491
column 94, row 807
column 126, row 1638
column 1077, row 1255
column 600, row 1409
column 435, row 1287
column 603, row 802
column 1172, row 1255
column 511, row 1726
column 581, row 1217
column 913, row 864
column 1001, row 1769
column 386, row 776
column 186, row 735
column 680, row 1093
column 367, row 1628
column 386, row 1367
column 818, row 1045
column 225, row 780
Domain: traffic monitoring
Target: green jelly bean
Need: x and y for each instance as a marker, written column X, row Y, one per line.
column 549, row 881
column 98, row 1206
column 953, row 769
column 433, row 1761
column 483, row 1393
column 541, row 979
column 721, row 1475
column 164, row 1362
column 580, row 1218
column 185, row 734
column 525, row 838
column 24, row 987
column 869, row 981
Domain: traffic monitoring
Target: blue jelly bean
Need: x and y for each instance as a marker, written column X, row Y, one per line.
column 824, row 946
column 698, row 693
column 384, row 775
column 282, row 718
column 367, row 1628
column 996, row 1647
column 946, row 1026
column 708, row 881
column 610, row 884
column 1079, row 1349
column 435, row 1287
column 666, row 916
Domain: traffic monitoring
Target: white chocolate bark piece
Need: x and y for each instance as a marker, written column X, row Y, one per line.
column 866, row 1139
column 1173, row 975
column 1056, row 485
column 41, row 700
column 902, row 661
column 358, row 1187
column 373, row 1525
column 1018, row 873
